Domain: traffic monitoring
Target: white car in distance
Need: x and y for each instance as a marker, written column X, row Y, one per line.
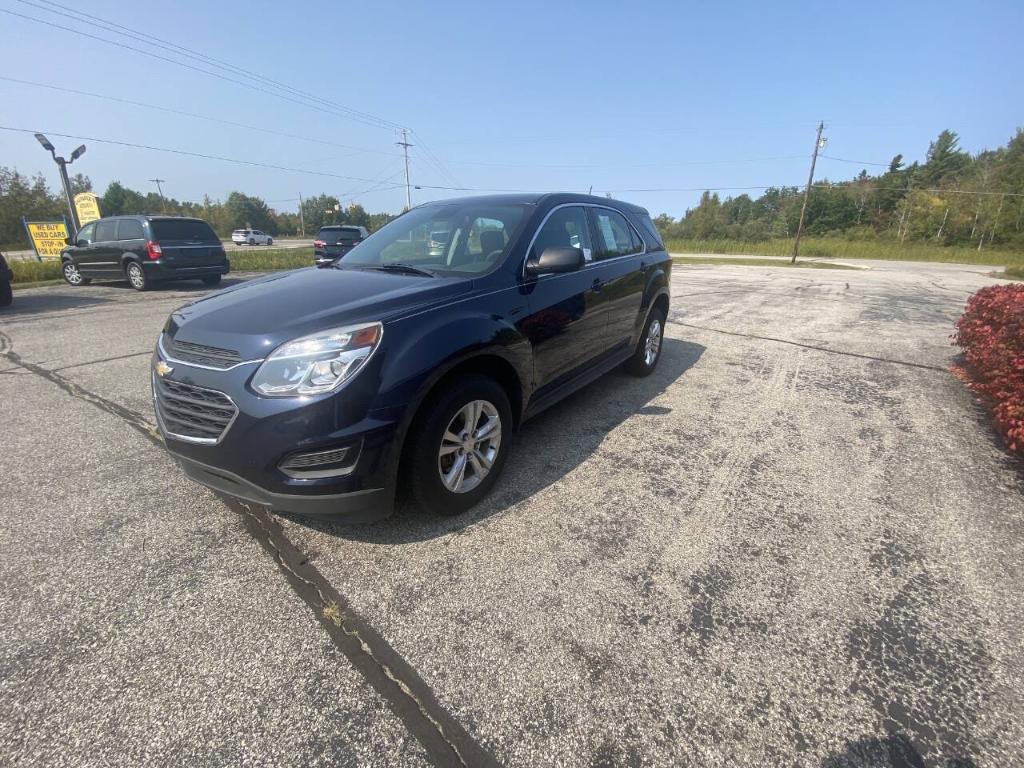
column 251, row 237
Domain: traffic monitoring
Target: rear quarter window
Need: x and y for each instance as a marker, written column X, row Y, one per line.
column 183, row 229
column 649, row 231
column 130, row 229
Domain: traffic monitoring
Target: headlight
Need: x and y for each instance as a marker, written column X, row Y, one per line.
column 318, row 363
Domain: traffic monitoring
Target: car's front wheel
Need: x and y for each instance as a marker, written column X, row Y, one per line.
column 71, row 274
column 460, row 445
column 137, row 276
column 648, row 349
column 270, row 241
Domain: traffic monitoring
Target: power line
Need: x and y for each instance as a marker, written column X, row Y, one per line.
column 196, row 115
column 110, row 26
column 191, row 154
column 150, row 54
column 854, row 162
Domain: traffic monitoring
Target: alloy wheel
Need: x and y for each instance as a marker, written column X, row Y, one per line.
column 469, row 446
column 652, row 344
column 135, row 276
column 71, row 273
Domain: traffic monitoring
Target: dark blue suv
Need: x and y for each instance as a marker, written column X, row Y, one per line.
column 321, row 391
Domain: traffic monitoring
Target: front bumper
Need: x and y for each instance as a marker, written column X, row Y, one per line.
column 366, row 506
column 245, row 461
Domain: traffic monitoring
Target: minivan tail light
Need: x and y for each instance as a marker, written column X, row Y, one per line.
column 153, row 250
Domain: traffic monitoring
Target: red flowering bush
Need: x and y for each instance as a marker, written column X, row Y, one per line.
column 991, row 332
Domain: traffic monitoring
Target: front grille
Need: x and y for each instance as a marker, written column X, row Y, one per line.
column 211, row 357
column 193, row 413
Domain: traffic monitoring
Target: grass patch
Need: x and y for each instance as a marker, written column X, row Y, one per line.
column 255, row 259
column 1012, row 273
column 32, row 272
column 754, row 262
column 838, row 248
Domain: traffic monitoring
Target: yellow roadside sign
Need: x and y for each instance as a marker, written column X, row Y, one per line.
column 88, row 207
column 47, row 238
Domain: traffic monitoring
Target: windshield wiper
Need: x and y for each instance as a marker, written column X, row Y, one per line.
column 408, row 269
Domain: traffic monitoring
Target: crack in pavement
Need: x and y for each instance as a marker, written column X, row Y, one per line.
column 445, row 741
column 103, row 360
column 907, row 363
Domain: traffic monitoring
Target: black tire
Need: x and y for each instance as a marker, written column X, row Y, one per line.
column 642, row 363
column 211, row 280
column 252, row 242
column 71, row 274
column 270, row 241
column 427, row 434
column 137, row 277
column 6, row 294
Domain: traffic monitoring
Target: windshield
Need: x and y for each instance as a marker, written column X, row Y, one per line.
column 476, row 237
column 182, row 229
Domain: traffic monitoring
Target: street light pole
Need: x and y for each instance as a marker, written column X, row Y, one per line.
column 63, row 164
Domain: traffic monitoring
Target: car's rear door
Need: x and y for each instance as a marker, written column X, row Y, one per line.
column 564, row 324
column 620, row 266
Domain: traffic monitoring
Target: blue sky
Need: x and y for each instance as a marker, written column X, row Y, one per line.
column 526, row 95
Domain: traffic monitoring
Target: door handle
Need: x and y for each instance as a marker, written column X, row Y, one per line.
column 643, row 266
column 598, row 284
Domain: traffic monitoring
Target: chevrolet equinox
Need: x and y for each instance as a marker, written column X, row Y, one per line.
column 321, row 392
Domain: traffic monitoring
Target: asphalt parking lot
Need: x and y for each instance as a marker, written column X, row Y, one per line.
column 798, row 542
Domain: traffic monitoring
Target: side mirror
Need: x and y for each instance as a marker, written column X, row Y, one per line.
column 556, row 260
column 68, row 241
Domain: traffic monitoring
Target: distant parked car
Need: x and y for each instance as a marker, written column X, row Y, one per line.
column 6, row 277
column 335, row 241
column 145, row 250
column 251, row 237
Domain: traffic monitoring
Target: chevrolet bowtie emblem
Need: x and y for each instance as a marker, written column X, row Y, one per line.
column 162, row 369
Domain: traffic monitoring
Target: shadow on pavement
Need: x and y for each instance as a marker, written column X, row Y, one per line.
column 564, row 436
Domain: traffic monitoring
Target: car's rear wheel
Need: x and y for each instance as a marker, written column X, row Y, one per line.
column 137, row 276
column 212, row 280
column 252, row 242
column 71, row 274
column 460, row 445
column 648, row 349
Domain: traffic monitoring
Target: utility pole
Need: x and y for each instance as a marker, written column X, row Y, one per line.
column 63, row 164
column 818, row 144
column 160, row 191
column 302, row 222
column 404, row 144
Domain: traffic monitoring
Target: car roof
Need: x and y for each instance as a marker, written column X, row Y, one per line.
column 539, row 198
column 341, row 226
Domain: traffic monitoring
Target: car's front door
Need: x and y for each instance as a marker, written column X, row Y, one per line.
column 564, row 323
column 101, row 257
column 79, row 252
column 619, row 257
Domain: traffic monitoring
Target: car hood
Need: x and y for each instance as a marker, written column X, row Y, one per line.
column 257, row 316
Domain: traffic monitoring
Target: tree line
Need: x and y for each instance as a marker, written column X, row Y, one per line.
column 952, row 198
column 31, row 197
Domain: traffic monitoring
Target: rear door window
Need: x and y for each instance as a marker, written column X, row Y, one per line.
column 105, row 231
column 614, row 235
column 182, row 229
column 129, row 229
